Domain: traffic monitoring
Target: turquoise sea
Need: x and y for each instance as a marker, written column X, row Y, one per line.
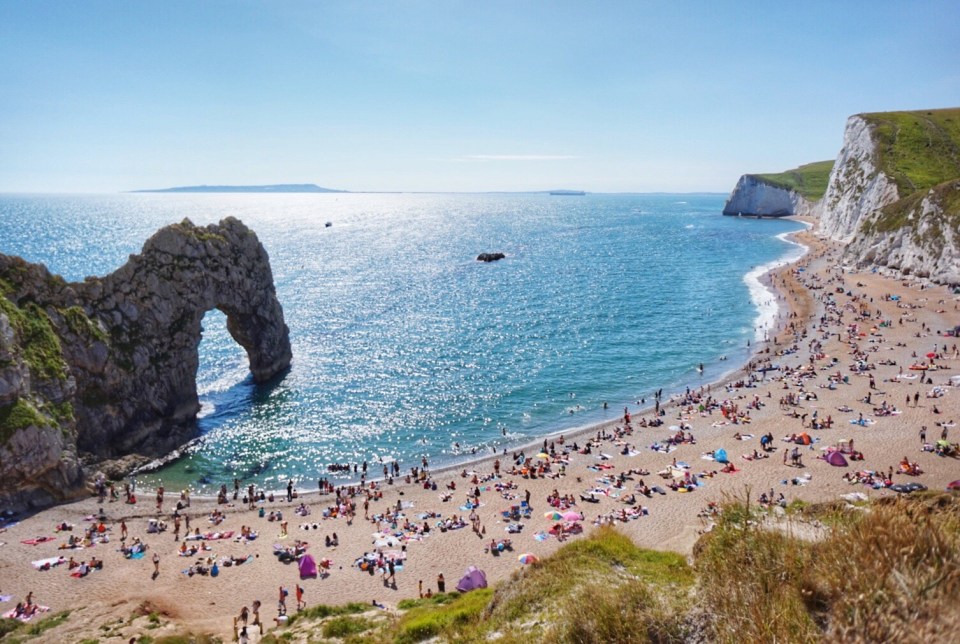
column 405, row 346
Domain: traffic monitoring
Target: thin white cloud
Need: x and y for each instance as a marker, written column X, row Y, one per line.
column 520, row 157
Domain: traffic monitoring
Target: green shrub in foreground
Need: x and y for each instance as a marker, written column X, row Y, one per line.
column 343, row 626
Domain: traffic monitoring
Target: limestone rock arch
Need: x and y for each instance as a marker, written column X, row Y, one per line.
column 142, row 395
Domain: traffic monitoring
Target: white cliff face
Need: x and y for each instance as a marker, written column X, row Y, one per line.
column 856, row 187
column 924, row 247
column 752, row 196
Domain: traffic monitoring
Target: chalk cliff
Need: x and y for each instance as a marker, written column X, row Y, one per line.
column 755, row 196
column 893, row 193
column 917, row 236
column 108, row 366
column 857, row 186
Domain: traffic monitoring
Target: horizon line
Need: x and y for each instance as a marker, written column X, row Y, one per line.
column 334, row 192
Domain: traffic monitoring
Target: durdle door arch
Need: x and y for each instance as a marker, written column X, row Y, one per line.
column 108, row 366
column 153, row 307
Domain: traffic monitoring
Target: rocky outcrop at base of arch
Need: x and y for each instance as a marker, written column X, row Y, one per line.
column 108, row 366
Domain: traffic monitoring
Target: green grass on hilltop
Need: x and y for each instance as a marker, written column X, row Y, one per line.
column 919, row 149
column 809, row 180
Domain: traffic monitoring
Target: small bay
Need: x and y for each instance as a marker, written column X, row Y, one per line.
column 406, row 347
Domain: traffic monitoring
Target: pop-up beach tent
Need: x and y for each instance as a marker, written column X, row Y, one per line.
column 720, row 456
column 837, row 459
column 308, row 567
column 474, row 578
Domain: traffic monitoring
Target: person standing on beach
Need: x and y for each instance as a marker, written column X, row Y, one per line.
column 441, row 584
column 282, row 602
column 255, row 609
column 923, row 435
column 156, row 565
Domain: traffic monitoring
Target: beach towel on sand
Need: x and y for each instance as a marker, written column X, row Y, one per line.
column 44, row 564
column 11, row 614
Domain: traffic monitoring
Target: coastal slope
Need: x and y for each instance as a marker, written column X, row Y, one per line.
column 108, row 366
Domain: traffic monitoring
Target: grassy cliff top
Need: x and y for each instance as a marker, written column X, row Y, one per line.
column 808, row 180
column 918, row 150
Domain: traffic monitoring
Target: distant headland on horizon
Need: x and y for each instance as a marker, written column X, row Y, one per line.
column 279, row 187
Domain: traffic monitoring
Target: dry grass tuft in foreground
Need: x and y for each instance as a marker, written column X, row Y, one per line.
column 887, row 573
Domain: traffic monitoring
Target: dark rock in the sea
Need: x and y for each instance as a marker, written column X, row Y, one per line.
column 108, row 366
column 490, row 257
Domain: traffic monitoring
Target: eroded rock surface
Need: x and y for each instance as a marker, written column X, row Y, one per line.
column 108, row 366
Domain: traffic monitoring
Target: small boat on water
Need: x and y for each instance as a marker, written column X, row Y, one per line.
column 328, row 224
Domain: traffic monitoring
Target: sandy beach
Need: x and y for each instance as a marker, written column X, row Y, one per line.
column 839, row 369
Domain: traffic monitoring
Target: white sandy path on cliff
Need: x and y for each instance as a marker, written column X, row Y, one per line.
column 205, row 604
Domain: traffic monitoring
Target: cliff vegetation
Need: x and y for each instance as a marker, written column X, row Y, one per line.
column 918, row 149
column 809, row 180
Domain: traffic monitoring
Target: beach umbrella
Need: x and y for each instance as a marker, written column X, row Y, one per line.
column 543, row 456
column 527, row 558
column 553, row 516
column 901, row 488
column 570, row 515
column 916, row 487
column 931, row 355
column 954, row 485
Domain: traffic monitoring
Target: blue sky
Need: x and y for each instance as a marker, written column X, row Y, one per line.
column 448, row 95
